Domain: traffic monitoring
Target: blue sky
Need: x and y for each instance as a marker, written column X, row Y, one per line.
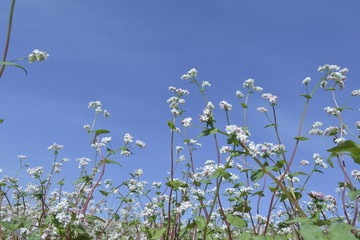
column 127, row 53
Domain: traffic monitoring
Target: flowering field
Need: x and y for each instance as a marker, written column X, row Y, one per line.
column 253, row 189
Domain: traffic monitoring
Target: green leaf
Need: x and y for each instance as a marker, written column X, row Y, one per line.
column 171, row 125
column 111, row 161
column 301, row 138
column 200, row 222
column 220, row 172
column 271, row 125
column 353, row 195
column 11, row 225
column 236, row 221
column 257, row 175
column 1, row 120
column 104, row 193
column 207, row 132
column 328, row 160
column 306, row 96
column 312, row 232
column 341, row 231
column 347, row 146
column 93, row 217
column 176, row 185
column 244, row 105
column 101, row 131
column 244, row 236
column 158, row 233
column 15, row 65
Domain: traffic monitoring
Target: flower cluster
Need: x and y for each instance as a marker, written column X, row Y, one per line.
column 333, row 73
column 37, row 55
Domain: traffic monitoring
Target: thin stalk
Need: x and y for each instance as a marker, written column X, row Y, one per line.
column 7, row 43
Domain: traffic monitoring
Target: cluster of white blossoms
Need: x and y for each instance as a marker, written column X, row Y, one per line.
column 355, row 174
column 332, row 111
column 186, row 122
column 128, row 138
column 225, row 105
column 332, row 131
column 306, row 80
column 262, row 109
column 207, row 113
column 55, row 147
column 319, row 160
column 355, row 92
column 250, row 84
column 240, row 133
column 265, row 149
column 97, row 106
column 239, row 94
column 304, row 162
column 205, row 84
column 357, row 125
column 271, row 98
column 192, row 73
column 333, row 73
column 315, row 128
column 83, row 161
column 36, row 171
column 37, row 55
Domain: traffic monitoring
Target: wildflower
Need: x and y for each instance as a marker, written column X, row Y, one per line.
column 94, row 104
column 304, row 162
column 262, row 109
column 355, row 174
column 258, row 89
column 175, row 112
column 306, row 80
column 317, row 196
column 210, row 105
column 186, row 122
column 21, row 157
column 317, row 124
column 239, row 132
column 239, row 94
column 205, row 84
column 65, row 160
column 319, row 160
column 55, row 147
column 36, row 171
column 87, row 127
column 156, row 185
column 178, row 149
column 225, row 149
column 98, row 145
column 138, row 172
column 249, row 83
column 181, row 158
column 37, row 55
column 357, row 125
column 106, row 139
column 332, row 111
column 355, row 92
column 315, row 131
column 271, row 98
column 339, row 140
column 98, row 110
column 83, row 161
column 125, row 152
column 140, row 144
column 225, row 105
column 106, row 114
column 128, row 138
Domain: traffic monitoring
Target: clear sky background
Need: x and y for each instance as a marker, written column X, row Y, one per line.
column 127, row 53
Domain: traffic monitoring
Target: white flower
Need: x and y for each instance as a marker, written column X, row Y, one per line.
column 21, row 157
column 357, row 125
column 35, row 171
column 304, row 162
column 178, row 149
column 106, row 139
column 355, row 174
column 355, row 92
column 55, row 147
column 192, row 72
column 239, row 94
column 138, row 172
column 186, row 122
column 249, row 83
column 262, row 109
column 271, row 98
column 128, row 138
column 140, row 144
column 339, row 140
column 317, row 124
column 94, row 104
column 210, row 105
column 83, row 161
column 106, row 114
column 205, row 84
column 87, row 127
column 315, row 131
column 258, row 89
column 225, row 105
column 332, row 111
column 37, row 55
column 306, row 80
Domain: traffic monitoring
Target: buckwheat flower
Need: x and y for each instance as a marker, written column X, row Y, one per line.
column 21, row 157
column 339, row 140
column 271, row 98
column 323, row 83
column 185, row 76
column 106, row 114
column 192, row 72
column 94, row 104
column 194, row 142
column 106, row 139
column 175, row 112
column 249, row 83
column 98, row 110
column 83, row 161
column 262, row 109
column 178, row 149
column 87, row 127
column 138, row 172
column 98, row 145
column 36, row 171
column 128, row 138
column 156, row 185
column 210, row 105
column 37, row 55
column 318, row 196
column 1, row 170
column 332, row 111
column 225, row 149
column 126, row 153
column 306, row 80
column 181, row 101
column 355, row 92
column 355, row 174
column 65, row 160
column 140, row 144
column 239, row 94
column 317, row 124
column 319, row 160
column 205, row 84
column 258, row 89
column 225, row 105
column 186, row 122
column 304, row 162
column 357, row 125
column 55, row 147
column 315, row 131
column 181, row 158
